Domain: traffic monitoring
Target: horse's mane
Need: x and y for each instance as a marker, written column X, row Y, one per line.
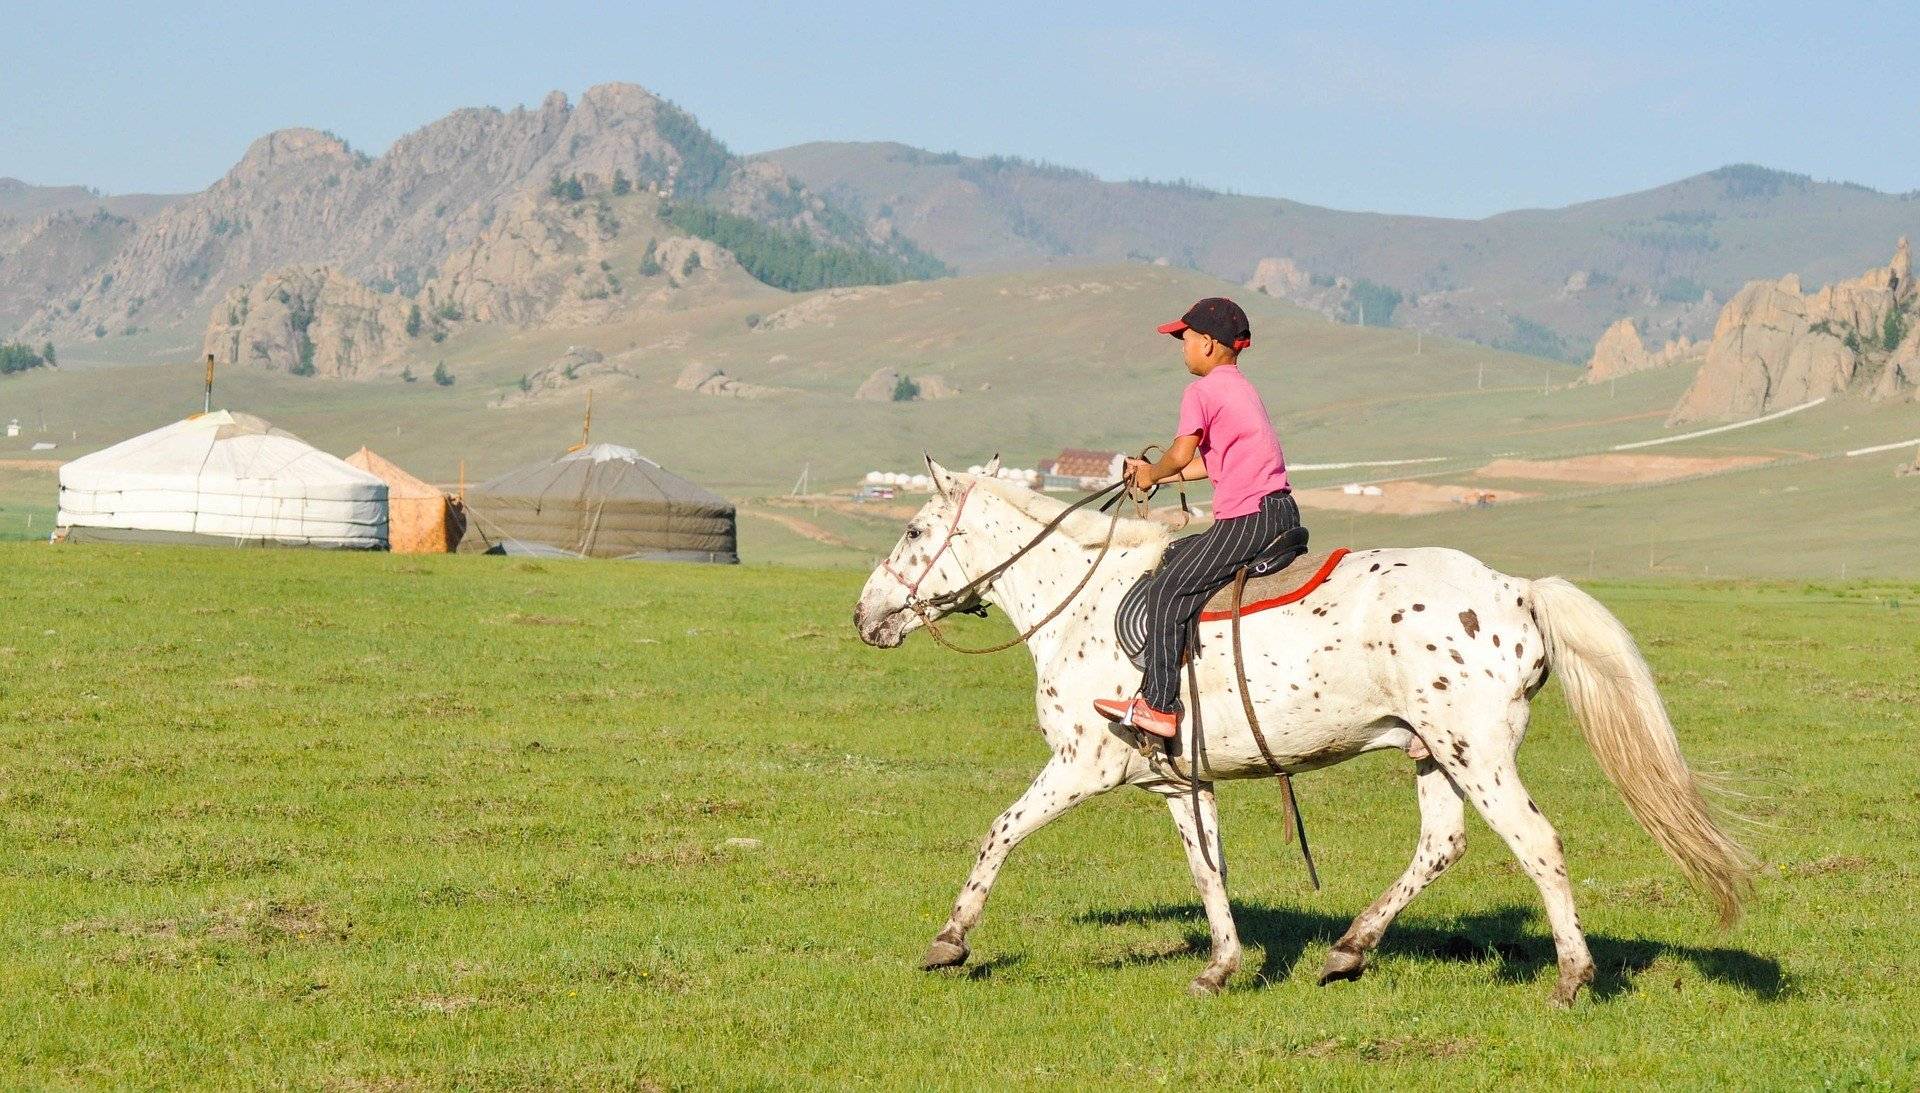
column 1088, row 527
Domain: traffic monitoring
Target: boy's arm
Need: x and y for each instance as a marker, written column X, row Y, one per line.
column 1181, row 462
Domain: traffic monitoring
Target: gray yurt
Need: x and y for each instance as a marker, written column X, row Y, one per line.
column 603, row 501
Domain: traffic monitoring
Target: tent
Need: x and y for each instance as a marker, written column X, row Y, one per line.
column 221, row 478
column 600, row 502
column 421, row 518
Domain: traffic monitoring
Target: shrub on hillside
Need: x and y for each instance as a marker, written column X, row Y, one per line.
column 1891, row 332
column 796, row 261
column 1372, row 304
column 21, row 358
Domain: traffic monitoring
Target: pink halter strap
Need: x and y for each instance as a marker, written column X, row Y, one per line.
column 953, row 529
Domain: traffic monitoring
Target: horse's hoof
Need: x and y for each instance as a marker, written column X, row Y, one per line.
column 1568, row 989
column 943, row 954
column 1209, row 983
column 1342, row 964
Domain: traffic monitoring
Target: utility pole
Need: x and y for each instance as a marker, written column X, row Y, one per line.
column 206, row 405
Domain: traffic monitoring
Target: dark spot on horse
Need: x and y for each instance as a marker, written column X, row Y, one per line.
column 1518, row 648
column 1440, row 684
column 1496, row 641
column 1396, row 617
column 1457, row 658
column 1375, row 568
column 1470, row 622
column 1419, row 607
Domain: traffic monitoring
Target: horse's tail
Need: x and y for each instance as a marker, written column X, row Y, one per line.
column 1611, row 690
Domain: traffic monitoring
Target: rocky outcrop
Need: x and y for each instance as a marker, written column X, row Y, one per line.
column 313, row 320
column 707, row 379
column 892, row 385
column 1284, row 279
column 1279, row 277
column 1775, row 346
column 546, row 262
column 1620, row 352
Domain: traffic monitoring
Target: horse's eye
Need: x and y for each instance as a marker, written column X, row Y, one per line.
column 913, row 533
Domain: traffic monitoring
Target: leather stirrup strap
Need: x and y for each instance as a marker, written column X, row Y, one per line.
column 1296, row 824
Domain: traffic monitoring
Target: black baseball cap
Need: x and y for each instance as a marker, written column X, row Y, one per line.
column 1217, row 317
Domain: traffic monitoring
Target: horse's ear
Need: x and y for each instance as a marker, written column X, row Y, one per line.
column 940, row 475
column 993, row 466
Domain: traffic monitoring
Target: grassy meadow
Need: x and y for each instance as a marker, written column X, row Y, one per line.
column 308, row 821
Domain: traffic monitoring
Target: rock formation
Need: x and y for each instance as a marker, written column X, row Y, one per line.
column 885, row 386
column 1279, row 277
column 1620, row 352
column 546, row 262
column 1284, row 279
column 707, row 379
column 1775, row 346
column 314, row 320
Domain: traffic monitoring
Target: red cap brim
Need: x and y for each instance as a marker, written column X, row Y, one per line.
column 1175, row 328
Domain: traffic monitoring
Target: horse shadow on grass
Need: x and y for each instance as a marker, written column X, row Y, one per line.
column 1509, row 935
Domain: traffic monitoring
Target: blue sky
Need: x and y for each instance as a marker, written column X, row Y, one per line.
column 1460, row 111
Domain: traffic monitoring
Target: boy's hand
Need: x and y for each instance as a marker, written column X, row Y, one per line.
column 1139, row 474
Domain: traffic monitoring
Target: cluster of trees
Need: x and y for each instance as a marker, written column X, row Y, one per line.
column 793, row 260
column 20, row 358
column 1372, row 304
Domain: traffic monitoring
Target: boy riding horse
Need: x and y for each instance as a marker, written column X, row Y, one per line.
column 1224, row 435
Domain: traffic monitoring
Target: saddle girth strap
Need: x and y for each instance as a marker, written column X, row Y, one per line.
column 1296, row 825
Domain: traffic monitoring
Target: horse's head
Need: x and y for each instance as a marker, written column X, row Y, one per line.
column 924, row 563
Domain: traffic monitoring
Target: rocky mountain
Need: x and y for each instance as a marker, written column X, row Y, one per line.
column 53, row 237
column 1620, row 351
column 1776, row 345
column 465, row 188
column 1543, row 281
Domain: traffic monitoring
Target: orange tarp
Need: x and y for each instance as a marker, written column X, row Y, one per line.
column 420, row 518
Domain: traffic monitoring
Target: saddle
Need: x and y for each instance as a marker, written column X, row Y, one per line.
column 1281, row 574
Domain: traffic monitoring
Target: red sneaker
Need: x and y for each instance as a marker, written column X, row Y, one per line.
column 1137, row 713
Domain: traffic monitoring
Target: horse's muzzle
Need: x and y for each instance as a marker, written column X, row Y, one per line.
column 885, row 630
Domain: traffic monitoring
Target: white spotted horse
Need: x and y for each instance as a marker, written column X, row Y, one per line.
column 1425, row 650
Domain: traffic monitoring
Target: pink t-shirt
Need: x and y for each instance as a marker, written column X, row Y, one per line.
column 1236, row 439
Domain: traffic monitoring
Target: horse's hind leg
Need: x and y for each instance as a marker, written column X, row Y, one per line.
column 1058, row 787
column 1209, row 864
column 1488, row 777
column 1443, row 839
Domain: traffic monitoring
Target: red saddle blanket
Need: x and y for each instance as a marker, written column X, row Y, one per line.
column 1290, row 585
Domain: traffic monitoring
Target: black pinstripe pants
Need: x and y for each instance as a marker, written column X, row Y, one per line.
column 1193, row 572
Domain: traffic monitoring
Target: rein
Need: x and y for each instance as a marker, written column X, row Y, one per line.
column 934, row 608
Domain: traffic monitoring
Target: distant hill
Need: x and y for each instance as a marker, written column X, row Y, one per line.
column 51, row 237
column 1542, row 281
column 302, row 197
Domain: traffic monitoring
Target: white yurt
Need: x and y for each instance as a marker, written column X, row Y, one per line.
column 221, row 478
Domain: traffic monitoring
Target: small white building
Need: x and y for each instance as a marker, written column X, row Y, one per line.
column 13, row 427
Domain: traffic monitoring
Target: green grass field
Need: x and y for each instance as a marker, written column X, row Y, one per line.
column 291, row 820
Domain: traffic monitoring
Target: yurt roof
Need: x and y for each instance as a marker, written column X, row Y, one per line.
column 602, row 472
column 401, row 485
column 222, row 446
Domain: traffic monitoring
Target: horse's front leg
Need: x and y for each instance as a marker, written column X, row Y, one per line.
column 1207, row 859
column 1059, row 786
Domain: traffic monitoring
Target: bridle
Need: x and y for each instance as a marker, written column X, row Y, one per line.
column 966, row 598
column 953, row 531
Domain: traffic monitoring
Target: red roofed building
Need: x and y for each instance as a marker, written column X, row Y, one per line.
column 1083, row 469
